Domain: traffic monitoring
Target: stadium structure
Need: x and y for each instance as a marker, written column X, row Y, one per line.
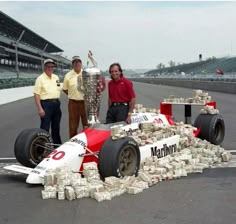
column 211, row 66
column 22, row 51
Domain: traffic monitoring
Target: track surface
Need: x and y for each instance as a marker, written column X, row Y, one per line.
column 198, row 198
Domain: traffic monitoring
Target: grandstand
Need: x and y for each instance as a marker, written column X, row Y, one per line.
column 22, row 51
column 200, row 68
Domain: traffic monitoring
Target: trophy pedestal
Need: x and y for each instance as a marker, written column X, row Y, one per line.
column 93, row 120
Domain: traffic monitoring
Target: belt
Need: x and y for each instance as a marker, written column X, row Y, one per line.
column 119, row 103
column 51, row 100
column 76, row 100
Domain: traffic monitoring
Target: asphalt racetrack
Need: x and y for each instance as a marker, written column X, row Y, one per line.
column 207, row 198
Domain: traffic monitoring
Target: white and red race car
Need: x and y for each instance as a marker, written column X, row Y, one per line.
column 121, row 157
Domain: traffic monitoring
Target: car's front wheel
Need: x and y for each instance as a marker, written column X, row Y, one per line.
column 119, row 158
column 32, row 146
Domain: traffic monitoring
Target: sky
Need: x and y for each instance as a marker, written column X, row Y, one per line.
column 137, row 34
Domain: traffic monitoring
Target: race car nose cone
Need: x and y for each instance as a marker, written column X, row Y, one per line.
column 34, row 179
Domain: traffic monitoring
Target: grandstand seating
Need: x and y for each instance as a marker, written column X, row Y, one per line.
column 207, row 67
column 22, row 51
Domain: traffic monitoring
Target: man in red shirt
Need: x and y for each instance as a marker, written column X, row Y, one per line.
column 121, row 96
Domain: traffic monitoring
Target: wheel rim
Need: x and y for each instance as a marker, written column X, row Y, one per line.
column 128, row 161
column 37, row 150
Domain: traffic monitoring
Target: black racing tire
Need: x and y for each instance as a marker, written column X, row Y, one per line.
column 212, row 127
column 27, row 148
column 119, row 158
column 17, row 146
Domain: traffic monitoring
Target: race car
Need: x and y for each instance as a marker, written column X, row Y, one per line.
column 34, row 148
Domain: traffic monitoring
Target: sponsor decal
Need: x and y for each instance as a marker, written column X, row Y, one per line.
column 163, row 151
column 139, row 119
column 35, row 171
column 44, row 134
column 158, row 120
column 40, row 168
column 78, row 141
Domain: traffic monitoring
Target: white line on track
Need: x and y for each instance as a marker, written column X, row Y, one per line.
column 10, row 158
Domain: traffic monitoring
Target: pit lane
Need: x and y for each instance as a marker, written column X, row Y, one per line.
column 197, row 198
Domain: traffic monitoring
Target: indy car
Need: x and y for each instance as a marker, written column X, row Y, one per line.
column 34, row 148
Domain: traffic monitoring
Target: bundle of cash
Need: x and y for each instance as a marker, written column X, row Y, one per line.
column 81, row 191
column 61, row 195
column 48, row 194
column 209, row 110
column 90, row 166
column 50, row 177
column 69, row 193
column 226, row 156
column 133, row 190
column 101, row 196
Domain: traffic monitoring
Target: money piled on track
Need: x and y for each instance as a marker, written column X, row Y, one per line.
column 192, row 156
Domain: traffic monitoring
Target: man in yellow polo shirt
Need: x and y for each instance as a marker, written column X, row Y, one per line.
column 76, row 105
column 47, row 91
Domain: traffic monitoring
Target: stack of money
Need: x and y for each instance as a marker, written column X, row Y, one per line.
column 90, row 172
column 101, row 196
column 70, row 193
column 115, row 186
column 226, row 156
column 49, row 192
column 117, row 132
column 147, row 127
column 63, row 175
column 138, row 108
column 127, row 181
column 50, row 178
column 90, row 166
column 144, row 176
column 199, row 97
column 77, row 182
column 209, row 110
column 61, row 195
column 197, row 92
column 81, row 191
column 133, row 190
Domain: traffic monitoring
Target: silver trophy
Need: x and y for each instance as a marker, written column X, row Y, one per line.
column 92, row 85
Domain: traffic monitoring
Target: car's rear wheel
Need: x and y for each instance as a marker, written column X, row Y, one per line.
column 119, row 158
column 32, row 146
column 212, row 127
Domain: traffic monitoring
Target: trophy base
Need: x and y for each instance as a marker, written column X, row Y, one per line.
column 93, row 119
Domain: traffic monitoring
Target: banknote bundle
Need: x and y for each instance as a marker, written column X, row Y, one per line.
column 50, row 178
column 48, row 194
column 117, row 132
column 90, row 172
column 198, row 97
column 209, row 110
column 70, row 193
column 226, row 156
